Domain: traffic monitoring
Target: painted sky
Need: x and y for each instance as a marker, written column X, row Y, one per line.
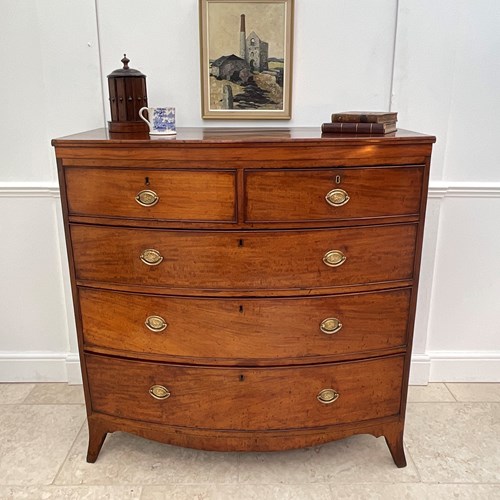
column 266, row 19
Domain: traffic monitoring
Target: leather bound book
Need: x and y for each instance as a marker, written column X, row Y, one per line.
column 365, row 117
column 358, row 128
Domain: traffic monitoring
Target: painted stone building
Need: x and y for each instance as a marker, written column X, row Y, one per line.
column 229, row 68
column 252, row 49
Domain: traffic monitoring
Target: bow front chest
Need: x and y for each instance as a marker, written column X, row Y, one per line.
column 245, row 289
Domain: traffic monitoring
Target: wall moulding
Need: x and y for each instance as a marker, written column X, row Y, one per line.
column 29, row 189
column 445, row 189
column 437, row 189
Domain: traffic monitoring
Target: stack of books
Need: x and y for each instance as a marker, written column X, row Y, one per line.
column 361, row 122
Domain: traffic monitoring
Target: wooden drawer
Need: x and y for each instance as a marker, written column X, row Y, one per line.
column 244, row 330
column 183, row 195
column 239, row 260
column 246, row 398
column 300, row 195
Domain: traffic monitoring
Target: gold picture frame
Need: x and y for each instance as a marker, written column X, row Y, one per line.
column 246, row 72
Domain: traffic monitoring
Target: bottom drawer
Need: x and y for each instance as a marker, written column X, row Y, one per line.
column 246, row 398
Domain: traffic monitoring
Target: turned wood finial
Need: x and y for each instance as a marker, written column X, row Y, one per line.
column 125, row 61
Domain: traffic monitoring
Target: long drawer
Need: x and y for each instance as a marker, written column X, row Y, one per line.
column 330, row 194
column 244, row 329
column 239, row 260
column 246, row 398
column 175, row 195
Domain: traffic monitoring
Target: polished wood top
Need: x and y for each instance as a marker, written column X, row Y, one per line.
column 103, row 137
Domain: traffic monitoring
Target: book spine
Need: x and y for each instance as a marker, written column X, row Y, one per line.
column 357, row 128
column 360, row 118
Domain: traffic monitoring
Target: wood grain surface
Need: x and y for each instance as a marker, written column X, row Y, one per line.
column 246, row 398
column 299, row 195
column 244, row 260
column 183, row 194
column 244, row 330
column 242, row 225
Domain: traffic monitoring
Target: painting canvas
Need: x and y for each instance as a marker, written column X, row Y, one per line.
column 246, row 58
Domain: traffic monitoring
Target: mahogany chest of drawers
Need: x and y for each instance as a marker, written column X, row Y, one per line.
column 245, row 289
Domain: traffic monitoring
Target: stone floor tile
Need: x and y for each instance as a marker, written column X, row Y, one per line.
column 429, row 393
column 52, row 394
column 34, row 441
column 416, row 491
column 475, row 392
column 14, row 393
column 455, row 442
column 357, row 458
column 128, row 459
column 70, row 492
column 237, row 492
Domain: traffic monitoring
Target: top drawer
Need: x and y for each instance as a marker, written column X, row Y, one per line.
column 332, row 194
column 174, row 195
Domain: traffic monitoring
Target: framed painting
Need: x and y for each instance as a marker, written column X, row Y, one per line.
column 246, row 58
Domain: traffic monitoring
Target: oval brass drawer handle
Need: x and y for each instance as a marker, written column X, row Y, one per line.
column 330, row 326
column 334, row 258
column 328, row 396
column 337, row 197
column 151, row 257
column 147, row 198
column 156, row 323
column 159, row 392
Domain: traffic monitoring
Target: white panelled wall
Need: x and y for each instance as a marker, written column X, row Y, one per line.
column 436, row 63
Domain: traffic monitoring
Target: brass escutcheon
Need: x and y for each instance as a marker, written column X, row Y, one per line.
column 328, row 396
column 159, row 392
column 156, row 323
column 337, row 197
column 334, row 258
column 330, row 326
column 151, row 257
column 147, row 198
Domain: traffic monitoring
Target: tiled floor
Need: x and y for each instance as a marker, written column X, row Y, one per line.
column 452, row 446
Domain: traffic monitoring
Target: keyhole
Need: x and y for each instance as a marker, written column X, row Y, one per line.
column 337, row 179
column 242, row 378
column 146, row 181
column 240, row 243
column 241, row 309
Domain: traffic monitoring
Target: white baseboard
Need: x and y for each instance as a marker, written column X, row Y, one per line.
column 464, row 366
column 40, row 367
column 73, row 369
column 455, row 366
column 420, row 369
